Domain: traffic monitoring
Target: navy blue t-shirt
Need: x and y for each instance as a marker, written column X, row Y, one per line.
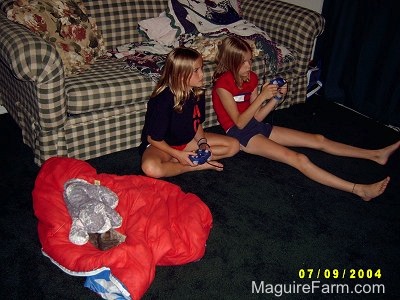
column 163, row 123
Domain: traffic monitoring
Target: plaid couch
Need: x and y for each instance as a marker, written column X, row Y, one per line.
column 102, row 110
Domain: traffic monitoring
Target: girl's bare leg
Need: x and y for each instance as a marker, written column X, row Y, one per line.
column 158, row 164
column 294, row 138
column 222, row 146
column 268, row 148
column 369, row 191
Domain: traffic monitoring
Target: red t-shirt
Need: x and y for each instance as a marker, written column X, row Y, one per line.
column 241, row 96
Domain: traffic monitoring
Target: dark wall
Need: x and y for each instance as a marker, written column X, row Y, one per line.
column 359, row 56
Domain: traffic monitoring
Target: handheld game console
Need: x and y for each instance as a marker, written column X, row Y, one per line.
column 280, row 82
column 201, row 157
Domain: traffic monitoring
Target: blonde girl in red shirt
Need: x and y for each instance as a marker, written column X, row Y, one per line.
column 241, row 109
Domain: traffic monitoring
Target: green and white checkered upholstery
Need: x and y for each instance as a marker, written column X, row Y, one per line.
column 102, row 110
column 118, row 19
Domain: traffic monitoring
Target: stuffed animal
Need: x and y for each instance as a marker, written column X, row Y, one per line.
column 91, row 207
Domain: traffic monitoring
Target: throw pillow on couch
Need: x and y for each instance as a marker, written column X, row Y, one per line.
column 66, row 25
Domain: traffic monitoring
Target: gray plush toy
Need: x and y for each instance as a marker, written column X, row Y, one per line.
column 91, row 207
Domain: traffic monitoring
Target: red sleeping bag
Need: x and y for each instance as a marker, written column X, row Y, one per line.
column 162, row 224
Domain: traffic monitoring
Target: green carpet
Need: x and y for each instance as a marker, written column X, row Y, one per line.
column 270, row 221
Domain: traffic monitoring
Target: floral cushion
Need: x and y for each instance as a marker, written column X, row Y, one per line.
column 65, row 24
column 208, row 47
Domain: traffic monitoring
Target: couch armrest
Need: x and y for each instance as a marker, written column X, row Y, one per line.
column 287, row 24
column 30, row 58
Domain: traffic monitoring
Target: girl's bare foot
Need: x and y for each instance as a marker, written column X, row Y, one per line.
column 211, row 165
column 385, row 153
column 369, row 191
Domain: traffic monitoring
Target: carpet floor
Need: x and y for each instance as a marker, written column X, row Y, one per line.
column 272, row 225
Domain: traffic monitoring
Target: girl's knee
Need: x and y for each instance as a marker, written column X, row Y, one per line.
column 229, row 145
column 303, row 159
column 320, row 139
column 300, row 160
column 151, row 169
column 234, row 147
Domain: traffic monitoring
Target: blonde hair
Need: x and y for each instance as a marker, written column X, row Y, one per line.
column 230, row 57
column 176, row 75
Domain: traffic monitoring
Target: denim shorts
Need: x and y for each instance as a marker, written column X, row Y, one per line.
column 252, row 128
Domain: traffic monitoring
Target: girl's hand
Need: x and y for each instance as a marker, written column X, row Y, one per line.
column 183, row 157
column 268, row 90
column 204, row 146
column 282, row 91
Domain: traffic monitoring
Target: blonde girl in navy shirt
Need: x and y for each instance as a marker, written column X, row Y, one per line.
column 241, row 110
column 173, row 123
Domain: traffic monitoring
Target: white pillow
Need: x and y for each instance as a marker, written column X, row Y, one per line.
column 158, row 29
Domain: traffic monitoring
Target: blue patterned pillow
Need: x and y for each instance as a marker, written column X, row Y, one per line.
column 188, row 15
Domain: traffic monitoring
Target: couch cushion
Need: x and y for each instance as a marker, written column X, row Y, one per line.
column 118, row 19
column 6, row 5
column 67, row 26
column 110, row 83
column 107, row 84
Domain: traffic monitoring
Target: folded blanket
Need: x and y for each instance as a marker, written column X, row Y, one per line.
column 200, row 25
column 219, row 18
column 147, row 58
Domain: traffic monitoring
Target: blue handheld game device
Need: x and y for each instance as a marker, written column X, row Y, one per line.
column 279, row 81
column 201, row 157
